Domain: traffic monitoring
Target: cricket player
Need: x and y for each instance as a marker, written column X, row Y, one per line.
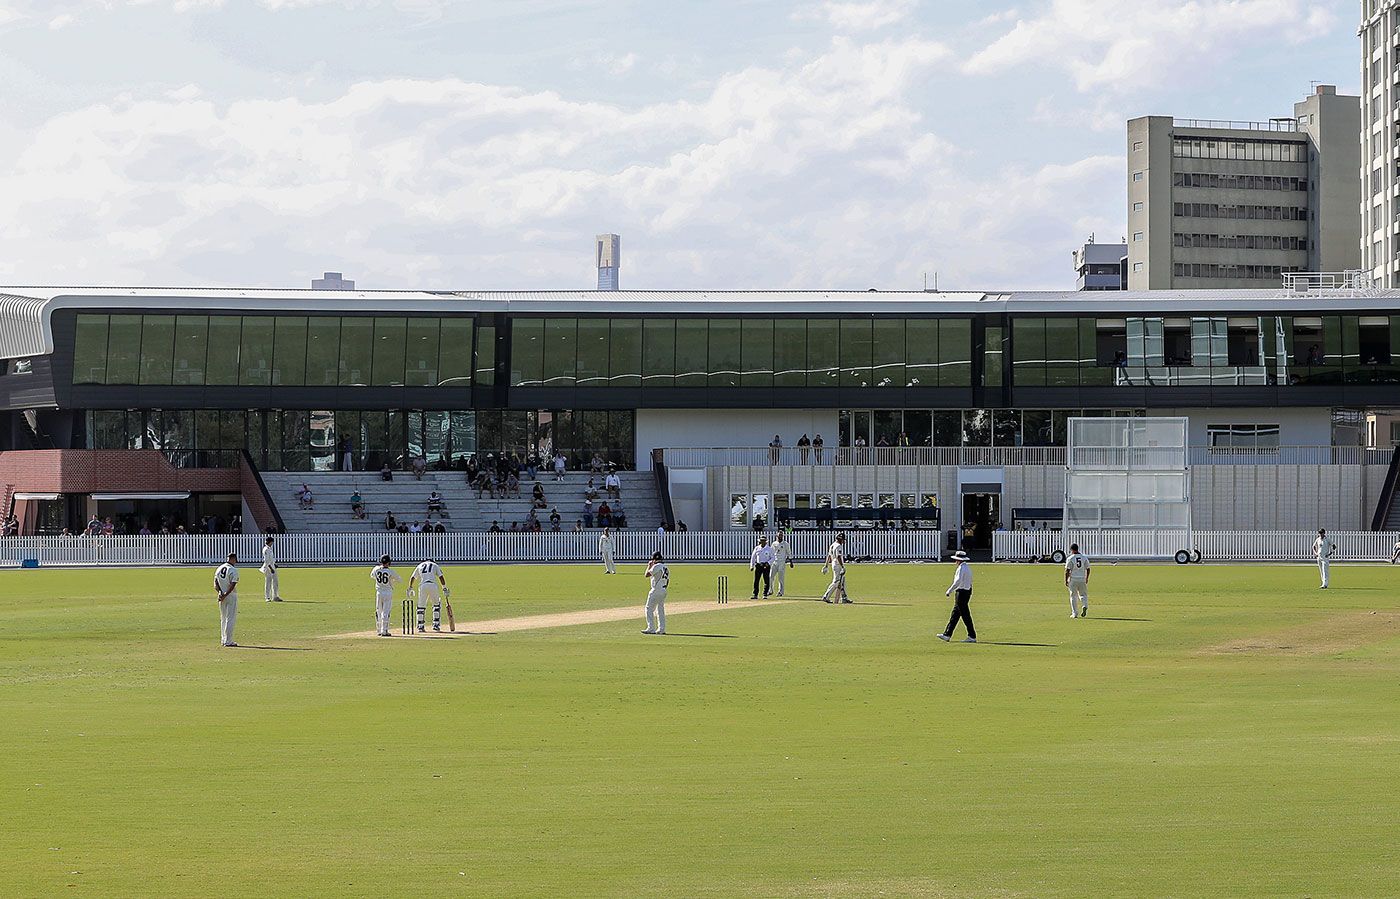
column 605, row 549
column 430, row 582
column 660, row 577
column 385, row 577
column 1396, row 555
column 836, row 561
column 962, row 583
column 761, row 564
column 271, row 586
column 1323, row 547
column 226, row 585
column 1077, row 581
column 782, row 560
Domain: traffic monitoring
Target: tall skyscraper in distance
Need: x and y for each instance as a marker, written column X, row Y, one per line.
column 1216, row 204
column 609, row 259
column 1380, row 141
column 331, row 281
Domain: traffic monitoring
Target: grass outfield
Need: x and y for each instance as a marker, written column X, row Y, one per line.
column 1210, row 731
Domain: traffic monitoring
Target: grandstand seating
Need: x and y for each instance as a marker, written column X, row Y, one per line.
column 407, row 498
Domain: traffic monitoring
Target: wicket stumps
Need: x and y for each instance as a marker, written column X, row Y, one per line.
column 722, row 589
column 408, row 616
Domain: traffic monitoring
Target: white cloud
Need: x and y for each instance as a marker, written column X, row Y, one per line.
column 1117, row 45
column 860, row 15
column 61, row 21
column 615, row 64
column 818, row 172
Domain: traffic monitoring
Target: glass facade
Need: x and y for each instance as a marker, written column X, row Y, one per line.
column 1218, row 351
column 756, row 351
column 307, row 440
column 881, row 428
column 274, row 351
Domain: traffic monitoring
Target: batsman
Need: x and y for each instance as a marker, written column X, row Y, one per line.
column 428, row 581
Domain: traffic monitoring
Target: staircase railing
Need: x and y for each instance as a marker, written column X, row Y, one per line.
column 663, row 487
column 1383, row 505
column 276, row 516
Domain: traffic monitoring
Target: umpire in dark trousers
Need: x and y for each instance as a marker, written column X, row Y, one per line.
column 761, row 564
column 962, row 584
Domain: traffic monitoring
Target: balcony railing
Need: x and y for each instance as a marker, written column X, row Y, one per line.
column 705, row 457
column 1272, row 125
column 1350, row 283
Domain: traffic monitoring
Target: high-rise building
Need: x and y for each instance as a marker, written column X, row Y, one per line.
column 609, row 258
column 331, row 281
column 1380, row 137
column 1101, row 266
column 1240, row 204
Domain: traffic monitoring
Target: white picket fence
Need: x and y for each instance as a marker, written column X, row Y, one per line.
column 628, row 546
column 1214, row 546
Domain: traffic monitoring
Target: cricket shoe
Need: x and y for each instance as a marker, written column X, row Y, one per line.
column 228, row 644
column 437, row 629
column 847, row 602
column 970, row 640
column 649, row 632
column 1084, row 612
column 944, row 637
column 1073, row 615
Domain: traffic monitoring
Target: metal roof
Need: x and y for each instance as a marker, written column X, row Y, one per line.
column 26, row 312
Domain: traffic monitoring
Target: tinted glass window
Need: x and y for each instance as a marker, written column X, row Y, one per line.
column 887, row 362
column 191, row 345
column 625, row 353
column 455, row 354
column 255, row 358
column 790, row 352
column 123, row 349
column 855, row 352
column 390, row 335
column 225, row 335
column 560, row 351
column 658, row 352
column 289, row 351
column 593, row 352
column 527, row 352
column 157, row 348
column 757, row 352
column 421, row 353
column 954, row 352
column 356, row 351
column 823, row 344
column 323, row 351
column 692, row 348
column 90, row 350
column 921, row 352
column 725, row 352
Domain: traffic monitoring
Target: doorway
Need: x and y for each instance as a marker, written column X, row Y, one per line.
column 981, row 515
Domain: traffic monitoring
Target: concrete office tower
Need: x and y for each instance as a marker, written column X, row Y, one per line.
column 608, row 253
column 331, row 281
column 1380, row 137
column 1240, row 204
column 1101, row 266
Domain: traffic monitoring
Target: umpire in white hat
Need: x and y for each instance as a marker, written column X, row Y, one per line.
column 962, row 584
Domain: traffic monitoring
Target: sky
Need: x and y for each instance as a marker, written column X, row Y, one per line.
column 734, row 144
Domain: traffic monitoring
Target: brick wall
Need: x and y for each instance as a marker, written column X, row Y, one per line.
column 109, row 471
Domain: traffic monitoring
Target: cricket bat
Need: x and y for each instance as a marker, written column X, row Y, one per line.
column 451, row 619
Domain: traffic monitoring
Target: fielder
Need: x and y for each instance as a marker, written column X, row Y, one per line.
column 226, row 585
column 782, row 561
column 1323, row 547
column 1077, row 581
column 836, row 561
column 1396, row 556
column 384, row 578
column 605, row 551
column 271, row 591
column 660, row 577
column 430, row 582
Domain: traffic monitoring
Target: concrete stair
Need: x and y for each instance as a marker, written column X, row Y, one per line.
column 408, row 500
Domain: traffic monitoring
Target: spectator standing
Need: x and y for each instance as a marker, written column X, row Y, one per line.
column 613, row 484
column 347, row 454
column 804, row 448
column 560, row 464
column 775, row 450
column 817, row 446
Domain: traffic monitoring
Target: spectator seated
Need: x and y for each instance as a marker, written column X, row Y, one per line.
column 386, row 473
column 357, row 505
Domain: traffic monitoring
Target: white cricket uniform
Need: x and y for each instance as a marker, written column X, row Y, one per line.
column 427, row 574
column 656, row 598
column 226, row 580
column 1323, row 547
column 605, row 550
column 836, row 554
column 269, row 570
column 782, row 554
column 1077, row 567
column 384, row 581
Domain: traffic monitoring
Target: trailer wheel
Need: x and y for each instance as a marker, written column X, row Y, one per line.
column 1182, row 557
column 1196, row 557
column 1058, row 557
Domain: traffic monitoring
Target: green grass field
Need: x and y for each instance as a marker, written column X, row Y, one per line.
column 1228, row 731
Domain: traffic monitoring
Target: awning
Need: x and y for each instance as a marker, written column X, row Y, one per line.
column 108, row 496
column 34, row 496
